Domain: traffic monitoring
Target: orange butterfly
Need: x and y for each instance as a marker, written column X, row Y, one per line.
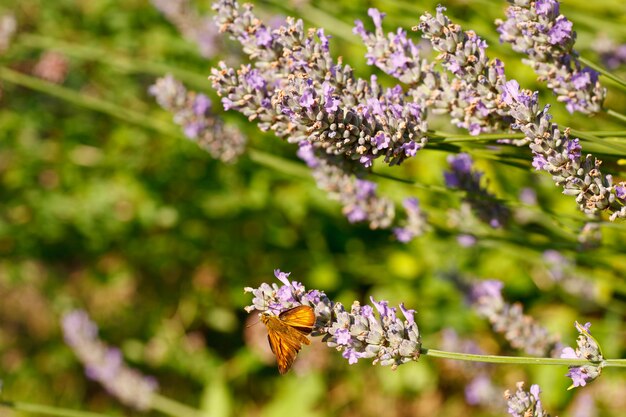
column 287, row 333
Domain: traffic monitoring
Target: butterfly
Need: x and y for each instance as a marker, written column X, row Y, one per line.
column 287, row 333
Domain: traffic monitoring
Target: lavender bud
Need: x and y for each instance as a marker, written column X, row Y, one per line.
column 546, row 37
column 105, row 364
column 525, row 403
column 520, row 330
column 588, row 349
column 195, row 28
column 193, row 112
column 484, row 204
column 358, row 333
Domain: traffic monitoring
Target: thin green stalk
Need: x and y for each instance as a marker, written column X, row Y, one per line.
column 173, row 408
column 517, row 360
column 89, row 102
column 49, row 410
column 621, row 84
column 116, row 59
column 616, row 115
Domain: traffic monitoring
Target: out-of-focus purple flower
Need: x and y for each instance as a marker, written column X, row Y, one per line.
column 105, row 364
column 525, row 403
column 195, row 28
column 415, row 223
column 520, row 330
column 358, row 333
column 193, row 112
column 612, row 55
column 484, row 204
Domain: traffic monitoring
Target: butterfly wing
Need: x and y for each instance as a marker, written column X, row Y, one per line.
column 285, row 348
column 301, row 318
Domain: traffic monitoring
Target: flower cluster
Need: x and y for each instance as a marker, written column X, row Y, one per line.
column 471, row 96
column 519, row 330
column 195, row 28
column 524, row 403
column 363, row 332
column 105, row 364
column 297, row 90
column 193, row 112
column 588, row 349
column 555, row 152
column 357, row 196
column 485, row 205
column 537, row 29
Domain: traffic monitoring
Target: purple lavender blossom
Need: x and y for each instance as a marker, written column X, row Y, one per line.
column 363, row 123
column 520, row 330
column 611, row 54
column 561, row 156
column 193, row 112
column 105, row 364
column 195, row 28
column 525, row 403
column 471, row 96
column 547, row 38
column 415, row 223
column 484, row 204
column 587, row 349
column 358, row 333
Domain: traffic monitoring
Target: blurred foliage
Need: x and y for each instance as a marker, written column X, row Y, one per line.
column 156, row 240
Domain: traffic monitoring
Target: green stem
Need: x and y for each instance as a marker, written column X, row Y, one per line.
column 116, row 59
column 517, row 360
column 89, row 102
column 49, row 410
column 173, row 408
column 616, row 115
column 621, row 84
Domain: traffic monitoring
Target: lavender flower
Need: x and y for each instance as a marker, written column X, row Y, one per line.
column 415, row 223
column 8, row 27
column 538, row 30
column 485, row 205
column 525, row 403
column 105, row 364
column 307, row 96
column 612, row 55
column 193, row 112
column 519, row 330
column 471, row 96
column 553, row 150
column 199, row 29
column 363, row 332
column 588, row 349
column 561, row 156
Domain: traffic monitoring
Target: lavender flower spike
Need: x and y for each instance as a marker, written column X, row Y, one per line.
column 523, row 403
column 538, row 30
column 193, row 112
column 587, row 349
column 363, row 332
column 484, row 204
column 520, row 330
column 105, row 364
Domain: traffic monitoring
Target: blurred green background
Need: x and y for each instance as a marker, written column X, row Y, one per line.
column 104, row 207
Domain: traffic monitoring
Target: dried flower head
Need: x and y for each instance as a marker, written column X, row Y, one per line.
column 588, row 349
